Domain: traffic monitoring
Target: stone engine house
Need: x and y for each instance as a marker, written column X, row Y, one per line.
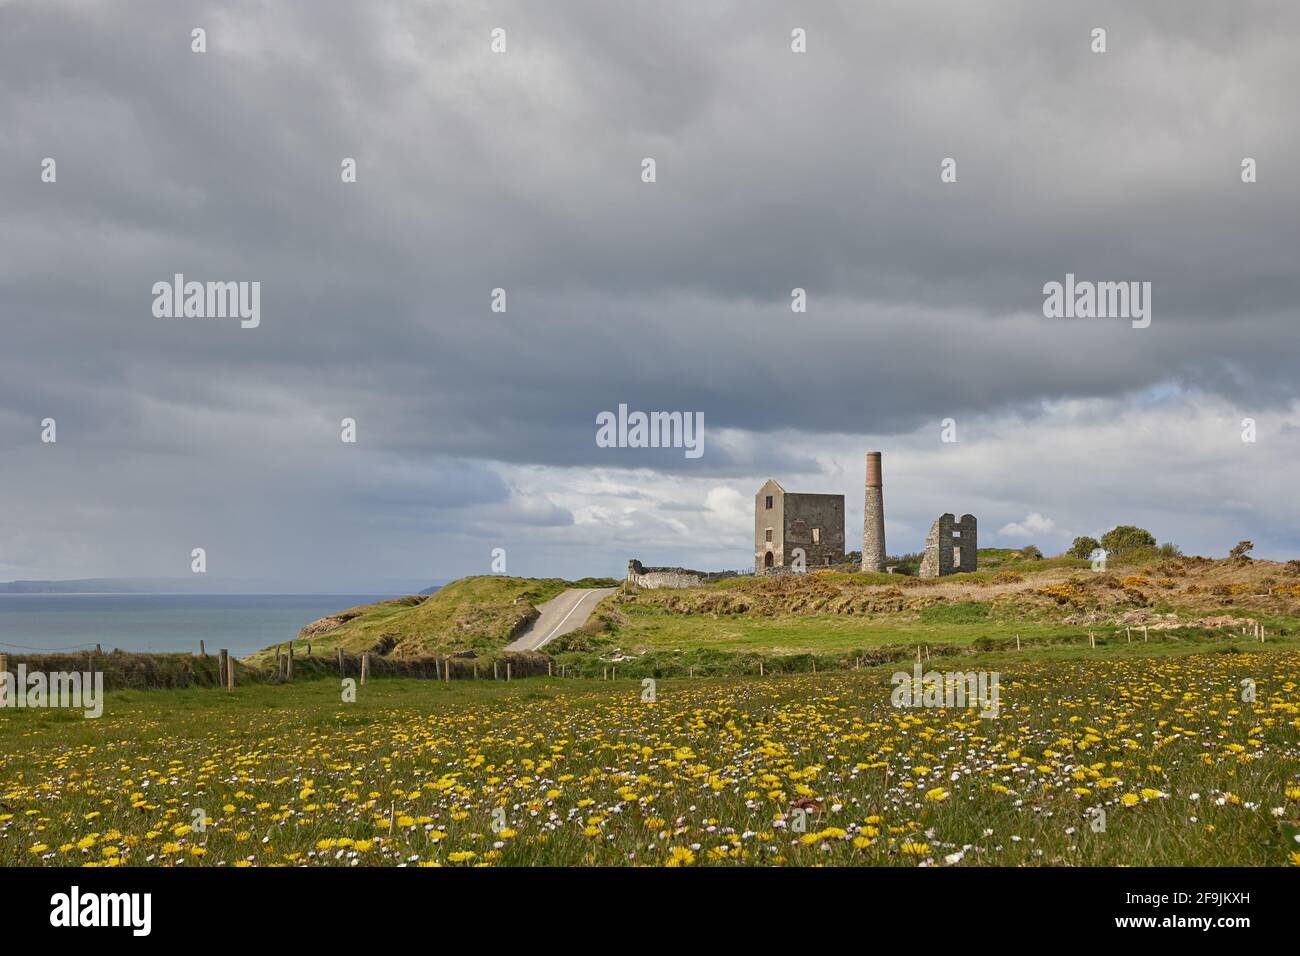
column 784, row 522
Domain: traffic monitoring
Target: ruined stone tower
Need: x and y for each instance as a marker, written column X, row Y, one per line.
column 873, row 518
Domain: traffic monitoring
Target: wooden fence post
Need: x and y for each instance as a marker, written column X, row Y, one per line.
column 288, row 666
column 760, row 667
column 340, row 660
column 202, row 651
column 230, row 673
column 365, row 666
column 548, row 669
column 1017, row 642
column 223, row 662
column 507, row 670
column 494, row 670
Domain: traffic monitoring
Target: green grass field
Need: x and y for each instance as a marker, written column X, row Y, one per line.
column 766, row 733
column 822, row 633
column 795, row 769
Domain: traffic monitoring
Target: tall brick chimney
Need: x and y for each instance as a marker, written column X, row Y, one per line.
column 873, row 518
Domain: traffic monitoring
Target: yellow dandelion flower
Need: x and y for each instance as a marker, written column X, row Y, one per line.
column 680, row 856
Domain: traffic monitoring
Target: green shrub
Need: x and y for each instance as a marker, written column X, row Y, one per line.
column 1083, row 547
column 1128, row 540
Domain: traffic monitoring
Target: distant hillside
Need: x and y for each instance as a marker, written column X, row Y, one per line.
column 194, row 584
column 120, row 586
column 81, row 586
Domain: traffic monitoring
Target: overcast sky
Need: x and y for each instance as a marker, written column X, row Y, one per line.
column 523, row 170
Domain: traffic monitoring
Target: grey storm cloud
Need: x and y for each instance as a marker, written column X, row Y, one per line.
column 522, row 171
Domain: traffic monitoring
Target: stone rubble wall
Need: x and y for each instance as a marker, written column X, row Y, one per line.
column 644, row 577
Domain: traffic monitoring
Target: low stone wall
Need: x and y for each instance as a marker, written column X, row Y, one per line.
column 644, row 577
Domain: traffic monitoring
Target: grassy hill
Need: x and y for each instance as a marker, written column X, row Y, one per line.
column 837, row 616
column 479, row 613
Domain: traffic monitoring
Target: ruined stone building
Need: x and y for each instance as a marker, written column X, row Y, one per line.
column 951, row 547
column 786, row 523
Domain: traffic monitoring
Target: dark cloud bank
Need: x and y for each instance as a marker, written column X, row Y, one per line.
column 522, row 171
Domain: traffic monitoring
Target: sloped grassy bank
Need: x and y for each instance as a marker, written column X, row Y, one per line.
column 479, row 614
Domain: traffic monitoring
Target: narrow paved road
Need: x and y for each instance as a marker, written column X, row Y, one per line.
column 566, row 612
